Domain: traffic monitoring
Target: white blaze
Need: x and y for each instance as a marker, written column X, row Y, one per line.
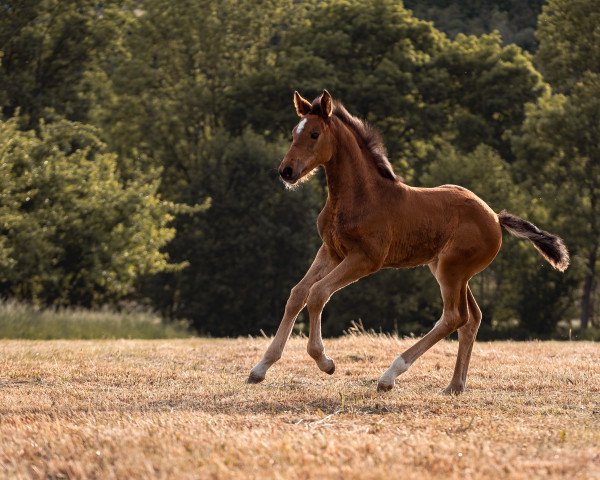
column 300, row 126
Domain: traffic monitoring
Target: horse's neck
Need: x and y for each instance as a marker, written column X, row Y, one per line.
column 350, row 174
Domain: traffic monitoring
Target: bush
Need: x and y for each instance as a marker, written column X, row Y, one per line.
column 88, row 234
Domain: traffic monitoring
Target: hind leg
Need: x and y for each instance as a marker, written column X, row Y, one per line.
column 466, row 339
column 454, row 316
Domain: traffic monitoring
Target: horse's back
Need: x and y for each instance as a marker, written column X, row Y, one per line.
column 448, row 221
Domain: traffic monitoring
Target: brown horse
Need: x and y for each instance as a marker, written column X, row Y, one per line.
column 372, row 220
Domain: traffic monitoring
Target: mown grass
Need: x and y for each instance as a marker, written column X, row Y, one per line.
column 181, row 409
column 20, row 321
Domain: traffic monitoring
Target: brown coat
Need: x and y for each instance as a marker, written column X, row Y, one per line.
column 372, row 220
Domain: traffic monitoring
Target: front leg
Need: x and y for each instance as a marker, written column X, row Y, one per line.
column 348, row 271
column 323, row 263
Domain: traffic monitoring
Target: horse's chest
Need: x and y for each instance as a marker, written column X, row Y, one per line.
column 335, row 231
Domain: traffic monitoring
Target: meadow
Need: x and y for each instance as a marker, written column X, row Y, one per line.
column 180, row 409
column 24, row 321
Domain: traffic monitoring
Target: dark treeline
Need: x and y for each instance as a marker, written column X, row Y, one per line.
column 139, row 143
column 516, row 20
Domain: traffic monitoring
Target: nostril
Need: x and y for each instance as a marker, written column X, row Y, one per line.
column 287, row 173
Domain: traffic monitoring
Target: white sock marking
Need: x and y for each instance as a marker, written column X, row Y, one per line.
column 400, row 366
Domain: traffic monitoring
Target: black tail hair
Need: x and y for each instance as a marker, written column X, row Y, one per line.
column 550, row 246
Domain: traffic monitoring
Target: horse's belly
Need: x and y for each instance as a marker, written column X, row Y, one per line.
column 409, row 261
column 413, row 251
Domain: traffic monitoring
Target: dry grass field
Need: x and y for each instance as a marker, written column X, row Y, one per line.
column 181, row 409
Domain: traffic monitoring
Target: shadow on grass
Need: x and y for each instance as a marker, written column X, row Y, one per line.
column 320, row 407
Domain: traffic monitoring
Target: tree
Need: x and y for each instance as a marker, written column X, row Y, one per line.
column 200, row 73
column 426, row 93
column 172, row 98
column 515, row 20
column 197, row 94
column 568, row 32
column 559, row 143
column 51, row 51
column 489, row 86
column 560, row 132
column 247, row 251
column 89, row 235
column 172, row 89
column 400, row 73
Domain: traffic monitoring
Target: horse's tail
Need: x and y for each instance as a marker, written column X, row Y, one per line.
column 550, row 246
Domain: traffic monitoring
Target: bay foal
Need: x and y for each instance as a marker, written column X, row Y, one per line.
column 371, row 220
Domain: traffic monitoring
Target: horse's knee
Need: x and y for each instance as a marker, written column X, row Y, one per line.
column 297, row 298
column 461, row 317
column 317, row 298
column 472, row 326
column 475, row 320
column 452, row 320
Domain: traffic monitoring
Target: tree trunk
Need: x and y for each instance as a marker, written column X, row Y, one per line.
column 588, row 287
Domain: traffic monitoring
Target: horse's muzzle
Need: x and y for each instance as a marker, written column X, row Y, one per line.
column 287, row 174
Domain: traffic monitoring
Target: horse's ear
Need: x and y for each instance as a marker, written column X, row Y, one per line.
column 326, row 104
column 302, row 105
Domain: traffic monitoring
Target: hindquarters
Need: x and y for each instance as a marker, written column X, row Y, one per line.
column 450, row 222
column 476, row 237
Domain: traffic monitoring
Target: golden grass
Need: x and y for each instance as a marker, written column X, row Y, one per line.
column 181, row 409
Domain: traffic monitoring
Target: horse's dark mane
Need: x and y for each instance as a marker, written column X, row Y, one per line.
column 368, row 134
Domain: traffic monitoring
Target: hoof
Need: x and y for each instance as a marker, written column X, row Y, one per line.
column 326, row 365
column 253, row 378
column 453, row 390
column 384, row 387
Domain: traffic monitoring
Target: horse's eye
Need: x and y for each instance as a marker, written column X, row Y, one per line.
column 314, row 135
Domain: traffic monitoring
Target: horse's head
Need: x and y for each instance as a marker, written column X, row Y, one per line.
column 312, row 138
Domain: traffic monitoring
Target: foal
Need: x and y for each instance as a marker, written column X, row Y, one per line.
column 371, row 220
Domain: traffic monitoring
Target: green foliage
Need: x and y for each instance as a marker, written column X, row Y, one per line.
column 125, row 111
column 50, row 52
column 421, row 89
column 491, row 84
column 569, row 36
column 187, row 79
column 18, row 320
column 514, row 19
column 172, row 91
column 560, row 136
column 171, row 97
column 89, row 235
column 559, row 142
column 256, row 241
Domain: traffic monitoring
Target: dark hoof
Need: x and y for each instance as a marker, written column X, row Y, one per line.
column 254, row 379
column 453, row 390
column 384, row 388
column 331, row 370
